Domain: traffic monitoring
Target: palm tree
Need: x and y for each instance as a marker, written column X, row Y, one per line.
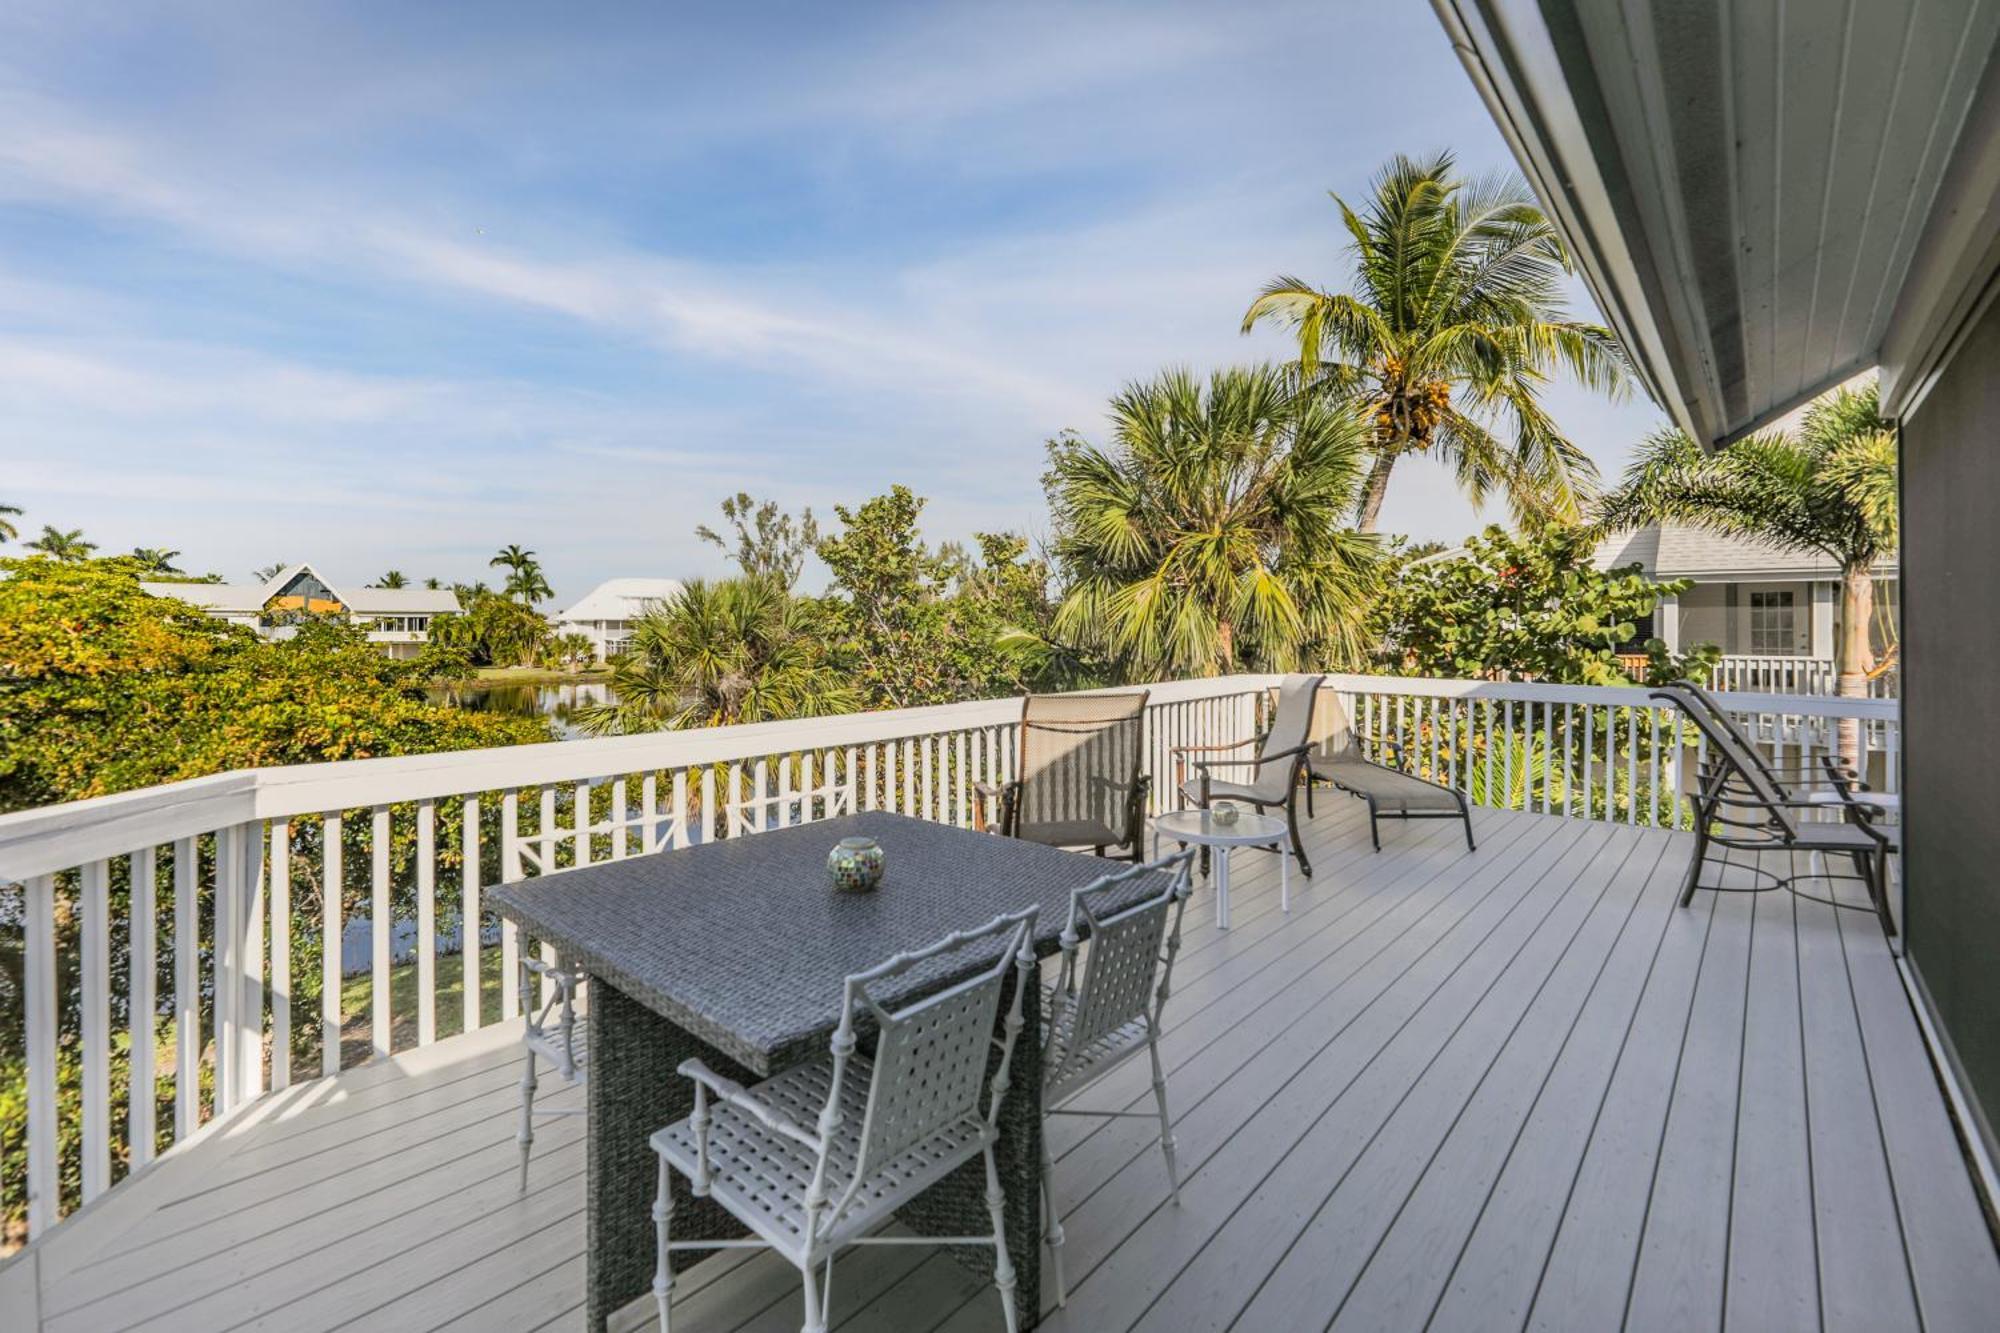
column 434, row 583
column 528, row 585
column 1829, row 490
column 1455, row 323
column 513, row 557
column 393, row 579
column 58, row 545
column 1211, row 535
column 270, row 571
column 8, row 532
column 736, row 650
column 157, row 560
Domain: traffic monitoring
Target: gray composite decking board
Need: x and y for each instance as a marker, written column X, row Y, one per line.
column 1369, row 913
column 295, row 1223
column 1583, row 1281
column 1360, row 1066
column 1255, row 1070
column 1403, row 1280
column 1498, row 1253
column 1951, row 1256
column 1864, row 1275
column 1358, row 1164
column 1772, row 1280
column 1677, row 1281
column 1517, row 1089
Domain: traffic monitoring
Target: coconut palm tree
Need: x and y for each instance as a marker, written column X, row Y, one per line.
column 393, row 579
column 8, row 532
column 735, row 650
column 157, row 560
column 1455, row 322
column 270, row 571
column 62, row 545
column 529, row 586
column 1830, row 490
column 1211, row 535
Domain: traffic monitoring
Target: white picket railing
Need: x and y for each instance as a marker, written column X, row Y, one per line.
column 233, row 864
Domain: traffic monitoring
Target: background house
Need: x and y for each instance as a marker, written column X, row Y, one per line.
column 607, row 612
column 1753, row 600
column 397, row 620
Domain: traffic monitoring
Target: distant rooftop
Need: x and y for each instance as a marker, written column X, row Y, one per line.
column 621, row 599
column 1676, row 551
column 249, row 598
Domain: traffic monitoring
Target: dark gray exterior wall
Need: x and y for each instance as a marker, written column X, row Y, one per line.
column 1951, row 707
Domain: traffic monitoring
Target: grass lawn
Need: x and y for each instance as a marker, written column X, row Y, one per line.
column 515, row 675
column 357, row 1003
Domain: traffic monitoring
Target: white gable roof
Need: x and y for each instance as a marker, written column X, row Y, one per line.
column 252, row 597
column 620, row 599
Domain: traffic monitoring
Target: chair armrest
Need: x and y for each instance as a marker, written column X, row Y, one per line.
column 555, row 972
column 1209, row 749
column 1295, row 751
column 735, row 1094
column 1001, row 796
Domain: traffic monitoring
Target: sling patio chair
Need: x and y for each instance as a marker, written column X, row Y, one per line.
column 1799, row 781
column 818, row 1158
column 1741, row 806
column 1337, row 758
column 1079, row 779
column 1275, row 767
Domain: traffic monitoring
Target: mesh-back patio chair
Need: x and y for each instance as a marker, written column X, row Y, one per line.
column 817, row 1158
column 554, row 1032
column 1337, row 758
column 1274, row 768
column 1742, row 806
column 1079, row 777
column 1106, row 1007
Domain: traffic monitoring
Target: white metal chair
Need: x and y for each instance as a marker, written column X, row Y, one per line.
column 561, row 1042
column 888, row 1127
column 1094, row 1024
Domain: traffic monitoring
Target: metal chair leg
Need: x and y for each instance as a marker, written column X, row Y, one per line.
column 663, row 1271
column 526, row 1136
column 1052, row 1230
column 1003, row 1267
column 1166, row 1125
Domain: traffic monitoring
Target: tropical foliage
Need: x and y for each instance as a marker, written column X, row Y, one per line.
column 1830, row 489
column 1454, row 324
column 393, row 579
column 8, row 532
column 60, row 545
column 1210, row 535
column 525, row 580
column 912, row 625
column 763, row 540
column 491, row 629
column 1525, row 607
column 734, row 650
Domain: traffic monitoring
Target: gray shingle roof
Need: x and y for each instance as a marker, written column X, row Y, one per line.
column 1676, row 551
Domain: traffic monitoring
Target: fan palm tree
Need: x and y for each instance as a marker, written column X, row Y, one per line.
column 8, row 532
column 393, row 579
column 1829, row 490
column 1212, row 535
column 1454, row 325
column 736, row 650
column 157, row 560
column 62, row 545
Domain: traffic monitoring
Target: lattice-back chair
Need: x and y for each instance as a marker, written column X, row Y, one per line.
column 1741, row 806
column 1079, row 779
column 816, row 1158
column 1107, row 1003
column 1275, row 769
column 554, row 1032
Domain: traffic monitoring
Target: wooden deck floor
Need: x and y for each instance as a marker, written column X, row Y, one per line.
column 1518, row 1088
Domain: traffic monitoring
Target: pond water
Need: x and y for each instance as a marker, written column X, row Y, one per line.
column 557, row 701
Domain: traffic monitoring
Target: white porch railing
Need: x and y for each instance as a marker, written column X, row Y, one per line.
column 196, row 912
column 1790, row 675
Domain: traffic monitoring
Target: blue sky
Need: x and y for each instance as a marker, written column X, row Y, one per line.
column 389, row 285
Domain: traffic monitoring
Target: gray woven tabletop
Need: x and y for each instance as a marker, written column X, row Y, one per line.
column 745, row 943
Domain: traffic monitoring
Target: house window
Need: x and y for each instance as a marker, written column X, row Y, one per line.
column 1773, row 624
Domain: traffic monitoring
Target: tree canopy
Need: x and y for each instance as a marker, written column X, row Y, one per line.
column 1455, row 321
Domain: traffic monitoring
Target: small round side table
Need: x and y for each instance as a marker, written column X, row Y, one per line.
column 1250, row 829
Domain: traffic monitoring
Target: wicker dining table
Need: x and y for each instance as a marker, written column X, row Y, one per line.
column 735, row 951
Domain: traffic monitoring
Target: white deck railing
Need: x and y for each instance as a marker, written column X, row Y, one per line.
column 1790, row 675
column 236, row 864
